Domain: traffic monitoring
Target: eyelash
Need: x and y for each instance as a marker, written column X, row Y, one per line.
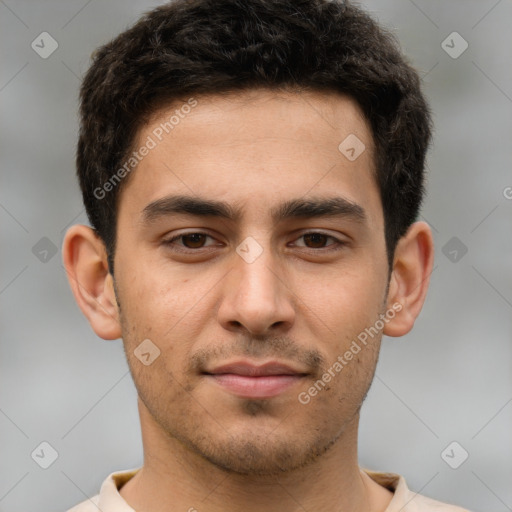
column 339, row 244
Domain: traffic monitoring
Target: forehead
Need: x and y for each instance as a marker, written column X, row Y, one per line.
column 256, row 148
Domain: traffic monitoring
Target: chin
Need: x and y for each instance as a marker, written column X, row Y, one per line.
column 259, row 454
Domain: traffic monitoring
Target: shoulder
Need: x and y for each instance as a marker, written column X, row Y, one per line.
column 90, row 505
column 420, row 503
column 108, row 499
column 405, row 500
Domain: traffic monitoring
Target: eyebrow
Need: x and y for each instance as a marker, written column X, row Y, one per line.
column 295, row 208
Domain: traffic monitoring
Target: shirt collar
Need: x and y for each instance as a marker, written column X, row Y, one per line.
column 109, row 499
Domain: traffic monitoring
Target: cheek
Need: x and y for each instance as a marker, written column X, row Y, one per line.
column 345, row 300
column 152, row 299
column 170, row 313
column 346, row 310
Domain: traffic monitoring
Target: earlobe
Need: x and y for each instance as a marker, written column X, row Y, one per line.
column 412, row 266
column 85, row 261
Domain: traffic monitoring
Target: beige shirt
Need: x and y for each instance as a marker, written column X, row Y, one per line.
column 404, row 500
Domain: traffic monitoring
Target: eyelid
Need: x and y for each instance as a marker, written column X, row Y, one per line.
column 318, row 232
column 338, row 242
column 174, row 238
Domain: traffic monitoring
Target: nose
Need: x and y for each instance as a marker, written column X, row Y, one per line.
column 257, row 297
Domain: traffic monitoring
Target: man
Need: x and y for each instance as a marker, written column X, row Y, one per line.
column 253, row 171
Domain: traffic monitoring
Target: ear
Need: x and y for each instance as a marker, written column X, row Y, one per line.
column 410, row 277
column 85, row 261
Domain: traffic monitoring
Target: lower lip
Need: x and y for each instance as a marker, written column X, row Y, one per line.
column 256, row 387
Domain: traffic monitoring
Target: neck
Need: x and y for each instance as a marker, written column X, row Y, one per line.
column 174, row 478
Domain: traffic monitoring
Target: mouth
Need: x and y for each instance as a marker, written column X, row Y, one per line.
column 248, row 380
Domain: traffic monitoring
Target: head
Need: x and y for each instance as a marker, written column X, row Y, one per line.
column 284, row 143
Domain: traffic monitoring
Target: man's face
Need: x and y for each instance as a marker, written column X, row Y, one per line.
column 261, row 287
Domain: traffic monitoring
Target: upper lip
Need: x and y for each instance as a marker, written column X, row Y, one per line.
column 255, row 370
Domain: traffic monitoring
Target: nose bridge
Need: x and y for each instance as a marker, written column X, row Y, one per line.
column 255, row 295
column 255, row 266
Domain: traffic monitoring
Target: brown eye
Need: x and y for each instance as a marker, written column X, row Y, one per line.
column 317, row 239
column 196, row 240
column 188, row 241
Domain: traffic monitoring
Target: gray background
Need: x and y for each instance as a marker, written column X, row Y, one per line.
column 449, row 380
